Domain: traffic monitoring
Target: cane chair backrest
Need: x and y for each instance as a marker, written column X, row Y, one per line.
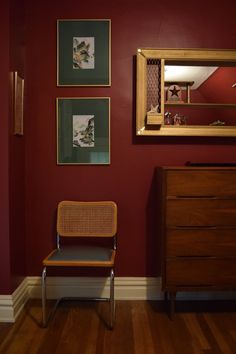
column 87, row 219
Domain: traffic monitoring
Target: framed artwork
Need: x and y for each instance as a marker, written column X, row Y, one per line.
column 174, row 94
column 83, row 52
column 83, row 131
column 18, row 103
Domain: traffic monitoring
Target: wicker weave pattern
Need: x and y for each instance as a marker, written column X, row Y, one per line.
column 154, row 84
column 87, row 219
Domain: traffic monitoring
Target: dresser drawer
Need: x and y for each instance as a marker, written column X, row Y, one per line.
column 200, row 212
column 194, row 182
column 197, row 222
column 200, row 272
column 200, row 242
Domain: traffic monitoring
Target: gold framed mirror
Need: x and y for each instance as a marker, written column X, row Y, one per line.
column 186, row 92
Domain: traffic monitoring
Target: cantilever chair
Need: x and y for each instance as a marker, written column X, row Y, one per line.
column 87, row 220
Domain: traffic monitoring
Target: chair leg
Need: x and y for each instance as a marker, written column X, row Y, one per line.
column 112, row 301
column 44, row 274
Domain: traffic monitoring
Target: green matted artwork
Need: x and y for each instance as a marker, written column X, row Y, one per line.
column 83, row 131
column 84, row 52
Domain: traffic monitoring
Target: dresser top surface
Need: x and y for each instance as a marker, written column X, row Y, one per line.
column 204, row 168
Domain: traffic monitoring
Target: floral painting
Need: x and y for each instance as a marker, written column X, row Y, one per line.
column 83, row 131
column 83, row 53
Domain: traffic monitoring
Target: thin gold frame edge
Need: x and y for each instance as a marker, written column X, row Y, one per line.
column 188, row 54
column 110, row 52
column 109, row 121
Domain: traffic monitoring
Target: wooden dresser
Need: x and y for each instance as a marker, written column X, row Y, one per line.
column 198, row 229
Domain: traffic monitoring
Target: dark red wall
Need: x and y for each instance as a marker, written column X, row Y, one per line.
column 4, row 150
column 218, row 88
column 17, row 151
column 12, row 182
column 129, row 180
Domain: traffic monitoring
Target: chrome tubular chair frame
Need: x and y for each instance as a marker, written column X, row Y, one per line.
column 111, row 299
column 55, row 258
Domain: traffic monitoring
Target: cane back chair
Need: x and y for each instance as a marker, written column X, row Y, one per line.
column 83, row 219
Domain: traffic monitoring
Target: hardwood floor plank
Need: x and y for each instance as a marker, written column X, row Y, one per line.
column 233, row 335
column 13, row 332
column 160, row 325
column 141, row 327
column 74, row 335
column 5, row 327
column 169, row 336
column 121, row 338
column 180, row 335
column 225, row 325
column 53, row 332
column 93, row 335
column 194, row 328
column 143, row 341
column 26, row 333
column 218, row 335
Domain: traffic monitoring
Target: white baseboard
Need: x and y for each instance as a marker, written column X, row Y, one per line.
column 126, row 288
column 6, row 309
column 11, row 305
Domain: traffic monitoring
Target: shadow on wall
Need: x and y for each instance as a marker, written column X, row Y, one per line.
column 153, row 235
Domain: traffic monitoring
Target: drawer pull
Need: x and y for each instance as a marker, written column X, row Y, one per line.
column 195, row 197
column 193, row 257
column 200, row 227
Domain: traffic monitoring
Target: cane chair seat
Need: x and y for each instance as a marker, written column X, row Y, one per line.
column 87, row 221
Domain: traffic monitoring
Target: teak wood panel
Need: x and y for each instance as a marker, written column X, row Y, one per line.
column 200, row 242
column 201, row 182
column 198, row 226
column 201, row 212
column 201, row 272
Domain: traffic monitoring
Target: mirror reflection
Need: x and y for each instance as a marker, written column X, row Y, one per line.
column 200, row 94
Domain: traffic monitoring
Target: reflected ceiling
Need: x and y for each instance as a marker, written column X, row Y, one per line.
column 197, row 74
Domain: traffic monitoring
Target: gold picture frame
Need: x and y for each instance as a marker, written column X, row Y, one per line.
column 84, row 52
column 83, row 130
column 18, row 103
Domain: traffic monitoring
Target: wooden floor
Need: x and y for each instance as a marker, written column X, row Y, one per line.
column 141, row 327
